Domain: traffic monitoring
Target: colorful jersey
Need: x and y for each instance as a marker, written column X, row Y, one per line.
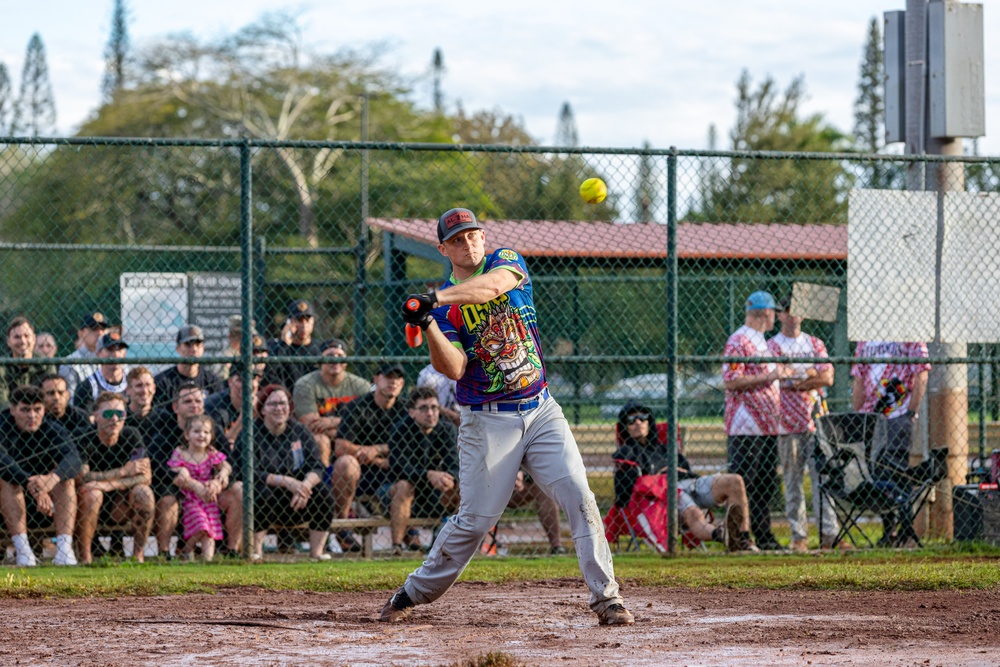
column 887, row 387
column 753, row 411
column 797, row 406
column 499, row 337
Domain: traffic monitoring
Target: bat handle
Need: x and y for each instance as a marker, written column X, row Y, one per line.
column 414, row 337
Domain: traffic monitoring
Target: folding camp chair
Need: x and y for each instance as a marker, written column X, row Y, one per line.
column 846, row 443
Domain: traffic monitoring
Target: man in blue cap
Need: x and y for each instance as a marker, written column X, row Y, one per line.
column 753, row 412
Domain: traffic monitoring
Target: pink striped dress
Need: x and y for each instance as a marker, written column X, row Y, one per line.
column 199, row 515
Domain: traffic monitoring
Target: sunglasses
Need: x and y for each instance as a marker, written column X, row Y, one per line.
column 113, row 414
column 639, row 416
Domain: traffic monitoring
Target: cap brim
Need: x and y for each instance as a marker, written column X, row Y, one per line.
column 460, row 228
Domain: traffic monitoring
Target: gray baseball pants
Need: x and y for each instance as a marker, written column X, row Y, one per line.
column 795, row 453
column 491, row 448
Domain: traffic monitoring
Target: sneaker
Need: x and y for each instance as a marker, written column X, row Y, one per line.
column 347, row 542
column 26, row 559
column 734, row 525
column 64, row 557
column 397, row 608
column 799, row 545
column 748, row 545
column 412, row 540
column 616, row 614
column 558, row 551
column 829, row 542
column 397, row 550
column 770, row 544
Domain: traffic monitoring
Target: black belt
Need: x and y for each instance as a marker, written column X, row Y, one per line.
column 512, row 406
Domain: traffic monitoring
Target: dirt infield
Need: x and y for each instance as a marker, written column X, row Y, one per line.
column 544, row 623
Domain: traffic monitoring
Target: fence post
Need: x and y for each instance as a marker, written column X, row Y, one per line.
column 246, row 344
column 671, row 350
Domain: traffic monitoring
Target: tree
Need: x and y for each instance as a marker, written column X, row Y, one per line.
column 566, row 133
column 645, row 190
column 869, row 111
column 777, row 189
column 116, row 52
column 437, row 65
column 35, row 113
column 6, row 102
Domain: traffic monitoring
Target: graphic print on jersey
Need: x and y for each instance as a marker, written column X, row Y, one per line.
column 503, row 346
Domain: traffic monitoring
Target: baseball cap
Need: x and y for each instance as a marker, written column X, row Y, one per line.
column 189, row 333
column 237, row 367
column 784, row 305
column 110, row 340
column 456, row 220
column 258, row 344
column 760, row 301
column 333, row 343
column 389, row 367
column 300, row 308
column 94, row 320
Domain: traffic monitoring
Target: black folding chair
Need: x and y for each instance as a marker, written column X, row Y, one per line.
column 846, row 443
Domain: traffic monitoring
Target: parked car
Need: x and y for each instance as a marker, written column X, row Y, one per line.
column 698, row 395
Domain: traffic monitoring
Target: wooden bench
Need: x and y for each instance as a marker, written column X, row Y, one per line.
column 363, row 527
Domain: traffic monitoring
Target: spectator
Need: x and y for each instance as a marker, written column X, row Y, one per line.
column 896, row 390
column 37, row 456
column 232, row 346
column 752, row 414
column 114, row 483
column 109, row 377
column 287, row 474
column 445, row 388
column 423, row 464
column 21, row 342
column 167, row 432
column 642, row 453
column 800, row 399
column 45, row 345
column 55, row 396
column 362, row 444
column 202, row 475
column 226, row 406
column 191, row 346
column 319, row 395
column 92, row 327
column 140, row 391
column 301, row 320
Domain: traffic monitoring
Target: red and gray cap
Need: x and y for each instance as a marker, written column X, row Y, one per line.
column 454, row 221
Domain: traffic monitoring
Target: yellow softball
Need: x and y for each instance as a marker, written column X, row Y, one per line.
column 593, row 191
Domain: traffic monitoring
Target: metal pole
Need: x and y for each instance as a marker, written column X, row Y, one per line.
column 246, row 345
column 361, row 249
column 260, row 285
column 671, row 350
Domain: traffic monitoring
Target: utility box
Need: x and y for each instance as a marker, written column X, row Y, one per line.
column 894, row 57
column 956, row 86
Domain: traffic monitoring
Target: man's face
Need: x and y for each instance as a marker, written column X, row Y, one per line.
column 465, row 249
column 637, row 424
column 110, row 419
column 141, row 390
column 90, row 336
column 389, row 385
column 191, row 348
column 28, row 416
column 21, row 341
column 236, row 386
column 426, row 413
column 55, row 397
column 45, row 346
column 331, row 368
column 191, row 402
column 789, row 321
column 302, row 327
column 113, row 352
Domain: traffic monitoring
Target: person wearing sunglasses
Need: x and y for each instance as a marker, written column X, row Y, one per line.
column 114, row 484
column 643, row 453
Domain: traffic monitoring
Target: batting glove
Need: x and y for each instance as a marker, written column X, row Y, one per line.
column 417, row 308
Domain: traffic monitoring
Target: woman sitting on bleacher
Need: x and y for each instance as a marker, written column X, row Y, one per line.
column 287, row 474
column 642, row 453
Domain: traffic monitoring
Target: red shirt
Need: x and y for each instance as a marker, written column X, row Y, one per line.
column 754, row 411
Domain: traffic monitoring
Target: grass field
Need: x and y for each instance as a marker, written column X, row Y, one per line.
column 929, row 569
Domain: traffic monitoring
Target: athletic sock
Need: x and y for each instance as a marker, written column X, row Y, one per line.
column 21, row 543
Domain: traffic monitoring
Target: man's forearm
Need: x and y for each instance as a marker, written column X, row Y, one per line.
column 479, row 289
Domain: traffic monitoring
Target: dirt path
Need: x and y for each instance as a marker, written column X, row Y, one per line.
column 545, row 623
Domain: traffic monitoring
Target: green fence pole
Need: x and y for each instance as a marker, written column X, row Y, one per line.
column 246, row 344
column 671, row 350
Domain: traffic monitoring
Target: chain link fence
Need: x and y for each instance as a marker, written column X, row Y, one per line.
column 193, row 277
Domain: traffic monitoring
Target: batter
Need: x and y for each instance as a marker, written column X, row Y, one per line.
column 482, row 331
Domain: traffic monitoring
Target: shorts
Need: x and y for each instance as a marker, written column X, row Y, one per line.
column 372, row 478
column 113, row 499
column 33, row 516
column 695, row 492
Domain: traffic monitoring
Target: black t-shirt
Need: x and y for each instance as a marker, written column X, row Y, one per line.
column 412, row 452
column 168, row 381
column 287, row 374
column 364, row 423
column 101, row 457
column 73, row 420
column 23, row 455
column 292, row 453
column 219, row 406
column 166, row 436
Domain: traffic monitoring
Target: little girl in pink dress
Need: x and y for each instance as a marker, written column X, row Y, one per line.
column 202, row 474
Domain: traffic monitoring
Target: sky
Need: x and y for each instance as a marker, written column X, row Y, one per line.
column 658, row 71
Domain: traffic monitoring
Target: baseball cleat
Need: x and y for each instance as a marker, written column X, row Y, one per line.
column 734, row 524
column 397, row 608
column 616, row 614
